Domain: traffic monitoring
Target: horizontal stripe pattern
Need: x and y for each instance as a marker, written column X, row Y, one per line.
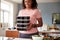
column 22, row 22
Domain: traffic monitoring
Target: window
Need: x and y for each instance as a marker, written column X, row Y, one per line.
column 6, row 14
column 4, row 6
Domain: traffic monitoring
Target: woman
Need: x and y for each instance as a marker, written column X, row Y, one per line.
column 30, row 9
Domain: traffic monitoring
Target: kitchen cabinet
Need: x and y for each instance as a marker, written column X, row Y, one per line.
column 12, row 33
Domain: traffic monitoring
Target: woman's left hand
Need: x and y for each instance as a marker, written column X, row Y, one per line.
column 31, row 26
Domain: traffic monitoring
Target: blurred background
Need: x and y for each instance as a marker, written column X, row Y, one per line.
column 9, row 9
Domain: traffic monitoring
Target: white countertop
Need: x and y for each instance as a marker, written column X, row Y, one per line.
column 22, row 39
column 6, row 38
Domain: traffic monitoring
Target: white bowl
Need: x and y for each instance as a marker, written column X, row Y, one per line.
column 37, row 38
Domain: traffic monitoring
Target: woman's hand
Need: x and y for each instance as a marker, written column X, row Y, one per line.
column 31, row 26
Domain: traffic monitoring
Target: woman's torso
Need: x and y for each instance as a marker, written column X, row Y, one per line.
column 29, row 13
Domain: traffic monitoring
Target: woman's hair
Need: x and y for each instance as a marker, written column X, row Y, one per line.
column 33, row 5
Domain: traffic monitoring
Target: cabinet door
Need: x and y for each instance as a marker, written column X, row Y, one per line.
column 15, row 34
column 8, row 34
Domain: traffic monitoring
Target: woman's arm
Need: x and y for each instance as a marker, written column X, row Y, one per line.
column 38, row 17
column 40, row 22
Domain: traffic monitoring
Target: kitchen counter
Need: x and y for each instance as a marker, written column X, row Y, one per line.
column 9, row 38
column 57, row 32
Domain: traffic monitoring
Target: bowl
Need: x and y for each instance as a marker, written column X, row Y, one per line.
column 37, row 38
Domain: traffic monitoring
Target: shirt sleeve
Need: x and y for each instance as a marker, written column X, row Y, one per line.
column 37, row 13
